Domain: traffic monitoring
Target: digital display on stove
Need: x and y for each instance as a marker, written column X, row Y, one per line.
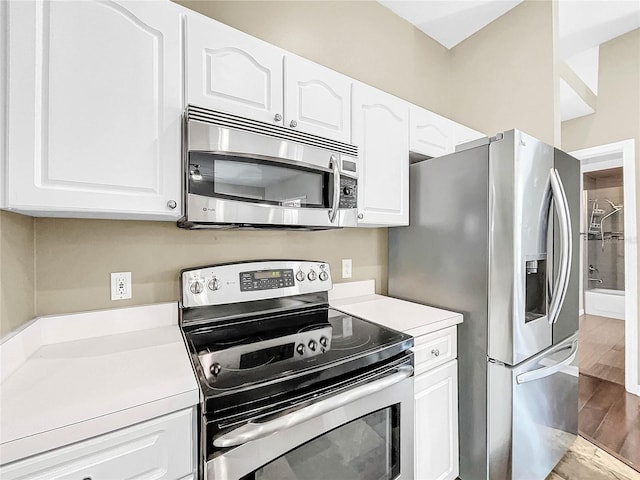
column 266, row 355
column 266, row 279
column 267, row 274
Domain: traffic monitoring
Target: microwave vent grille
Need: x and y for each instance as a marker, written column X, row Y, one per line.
column 228, row 120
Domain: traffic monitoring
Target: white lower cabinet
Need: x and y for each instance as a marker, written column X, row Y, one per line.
column 159, row 449
column 436, row 423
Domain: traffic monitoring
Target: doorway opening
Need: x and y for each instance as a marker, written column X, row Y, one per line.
column 609, row 283
column 609, row 387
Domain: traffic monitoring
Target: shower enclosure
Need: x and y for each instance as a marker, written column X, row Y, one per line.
column 604, row 248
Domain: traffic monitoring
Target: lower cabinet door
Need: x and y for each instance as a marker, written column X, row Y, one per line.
column 160, row 449
column 436, row 429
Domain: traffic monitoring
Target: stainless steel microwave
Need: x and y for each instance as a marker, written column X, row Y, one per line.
column 244, row 173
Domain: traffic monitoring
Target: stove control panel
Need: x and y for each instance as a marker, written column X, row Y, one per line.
column 248, row 281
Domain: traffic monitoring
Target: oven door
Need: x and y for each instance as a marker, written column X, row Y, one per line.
column 363, row 433
column 247, row 189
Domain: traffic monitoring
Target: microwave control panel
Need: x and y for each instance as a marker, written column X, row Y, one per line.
column 348, row 192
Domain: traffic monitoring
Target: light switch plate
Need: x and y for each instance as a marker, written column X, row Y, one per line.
column 120, row 285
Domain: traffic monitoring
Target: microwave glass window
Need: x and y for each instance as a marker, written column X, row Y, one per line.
column 364, row 449
column 261, row 182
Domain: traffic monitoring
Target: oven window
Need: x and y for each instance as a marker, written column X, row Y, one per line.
column 257, row 181
column 364, row 449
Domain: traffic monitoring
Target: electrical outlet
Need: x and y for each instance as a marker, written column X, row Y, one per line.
column 346, row 268
column 120, row 285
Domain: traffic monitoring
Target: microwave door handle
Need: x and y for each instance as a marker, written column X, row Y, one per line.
column 253, row 431
column 333, row 213
column 551, row 369
column 564, row 221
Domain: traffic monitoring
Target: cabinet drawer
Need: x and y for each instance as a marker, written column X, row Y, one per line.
column 158, row 449
column 435, row 349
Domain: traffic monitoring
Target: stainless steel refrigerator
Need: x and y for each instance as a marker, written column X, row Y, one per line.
column 494, row 235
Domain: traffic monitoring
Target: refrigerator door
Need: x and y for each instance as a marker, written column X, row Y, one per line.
column 567, row 323
column 533, row 413
column 524, row 300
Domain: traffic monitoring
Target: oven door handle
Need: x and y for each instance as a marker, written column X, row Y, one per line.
column 333, row 213
column 254, row 431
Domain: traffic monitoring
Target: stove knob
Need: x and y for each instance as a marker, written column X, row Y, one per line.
column 323, row 275
column 312, row 345
column 300, row 349
column 312, row 276
column 215, row 369
column 214, row 284
column 347, row 191
column 196, row 287
column 323, row 341
column 300, row 276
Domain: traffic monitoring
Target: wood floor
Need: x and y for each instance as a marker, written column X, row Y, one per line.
column 610, row 417
column 585, row 461
column 601, row 348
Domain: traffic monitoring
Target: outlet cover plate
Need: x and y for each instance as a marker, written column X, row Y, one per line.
column 347, row 268
column 120, row 285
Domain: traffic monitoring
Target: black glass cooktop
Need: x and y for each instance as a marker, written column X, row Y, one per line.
column 301, row 348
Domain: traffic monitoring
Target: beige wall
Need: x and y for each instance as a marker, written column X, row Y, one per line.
column 75, row 257
column 617, row 114
column 361, row 39
column 17, row 270
column 504, row 76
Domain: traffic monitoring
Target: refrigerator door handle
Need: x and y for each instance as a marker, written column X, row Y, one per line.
column 564, row 221
column 550, row 370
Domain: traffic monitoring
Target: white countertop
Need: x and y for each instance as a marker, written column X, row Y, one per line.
column 71, row 377
column 359, row 299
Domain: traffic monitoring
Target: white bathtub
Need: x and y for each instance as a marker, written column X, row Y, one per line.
column 604, row 302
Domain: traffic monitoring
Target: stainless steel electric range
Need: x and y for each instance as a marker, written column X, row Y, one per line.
column 290, row 388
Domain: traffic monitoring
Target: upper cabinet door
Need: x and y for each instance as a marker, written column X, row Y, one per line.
column 431, row 134
column 465, row 134
column 233, row 72
column 95, row 102
column 381, row 132
column 317, row 99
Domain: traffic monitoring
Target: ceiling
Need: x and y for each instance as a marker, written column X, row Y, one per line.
column 449, row 22
column 583, row 25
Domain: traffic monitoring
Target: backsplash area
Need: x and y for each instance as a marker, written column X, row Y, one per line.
column 74, row 258
column 17, row 270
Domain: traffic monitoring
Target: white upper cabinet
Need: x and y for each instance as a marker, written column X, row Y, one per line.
column 317, row 99
column 381, row 132
column 431, row 134
column 233, row 72
column 465, row 134
column 95, row 101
